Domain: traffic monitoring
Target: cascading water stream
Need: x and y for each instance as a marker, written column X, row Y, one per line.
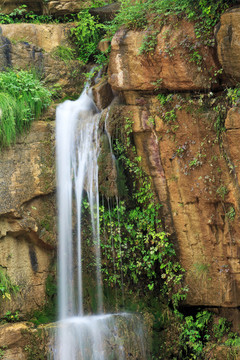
column 82, row 337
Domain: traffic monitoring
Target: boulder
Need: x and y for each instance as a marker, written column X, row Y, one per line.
column 13, row 342
column 66, row 7
column 106, row 13
column 102, row 94
column 178, row 61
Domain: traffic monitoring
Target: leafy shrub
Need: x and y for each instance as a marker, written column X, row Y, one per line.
column 135, row 248
column 205, row 13
column 11, row 317
column 194, row 335
column 86, row 35
column 233, row 96
column 20, row 15
column 22, row 99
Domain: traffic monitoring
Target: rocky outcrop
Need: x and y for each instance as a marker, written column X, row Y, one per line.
column 194, row 181
column 42, row 48
column 53, row 7
column 44, row 36
column 176, row 63
column 194, row 172
column 27, row 217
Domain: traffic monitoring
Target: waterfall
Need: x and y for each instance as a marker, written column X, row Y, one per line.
column 81, row 336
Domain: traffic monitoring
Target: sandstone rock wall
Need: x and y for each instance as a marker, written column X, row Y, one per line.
column 194, row 173
column 170, row 66
column 36, row 46
column 27, row 217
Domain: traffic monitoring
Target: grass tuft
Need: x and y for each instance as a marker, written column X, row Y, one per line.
column 22, row 99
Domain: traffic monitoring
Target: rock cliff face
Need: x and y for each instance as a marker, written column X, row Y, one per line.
column 38, row 47
column 195, row 173
column 27, row 217
column 170, row 66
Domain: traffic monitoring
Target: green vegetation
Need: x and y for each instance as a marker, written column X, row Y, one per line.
column 233, row 96
column 231, row 213
column 198, row 336
column 222, row 191
column 22, row 15
column 22, row 99
column 2, row 351
column 149, row 43
column 7, row 288
column 86, row 35
column 11, row 317
column 205, row 13
column 135, row 248
column 194, row 335
column 64, row 53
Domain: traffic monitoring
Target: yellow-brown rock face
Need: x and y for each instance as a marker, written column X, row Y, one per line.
column 35, row 46
column 27, row 216
column 228, row 34
column 170, row 66
column 196, row 180
column 195, row 175
column 13, row 342
column 45, row 36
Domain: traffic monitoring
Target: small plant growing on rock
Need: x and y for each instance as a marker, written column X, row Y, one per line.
column 11, row 317
column 22, row 99
column 231, row 213
column 222, row 191
column 6, row 286
column 149, row 43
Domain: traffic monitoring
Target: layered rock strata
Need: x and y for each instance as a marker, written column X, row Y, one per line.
column 194, row 169
column 40, row 47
